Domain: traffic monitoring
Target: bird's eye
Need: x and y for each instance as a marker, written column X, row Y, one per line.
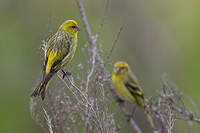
column 73, row 27
column 122, row 68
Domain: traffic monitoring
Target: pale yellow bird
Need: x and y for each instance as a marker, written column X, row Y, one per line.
column 126, row 84
column 127, row 87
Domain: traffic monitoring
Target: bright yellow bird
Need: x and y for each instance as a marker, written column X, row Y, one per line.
column 58, row 51
column 127, row 87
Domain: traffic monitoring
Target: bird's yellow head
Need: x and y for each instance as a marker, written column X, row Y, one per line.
column 120, row 68
column 70, row 26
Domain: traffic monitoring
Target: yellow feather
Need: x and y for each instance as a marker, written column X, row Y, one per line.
column 52, row 58
column 121, row 90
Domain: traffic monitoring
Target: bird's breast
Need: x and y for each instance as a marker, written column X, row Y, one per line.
column 121, row 89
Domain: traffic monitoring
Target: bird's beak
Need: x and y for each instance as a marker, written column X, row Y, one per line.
column 78, row 28
column 118, row 70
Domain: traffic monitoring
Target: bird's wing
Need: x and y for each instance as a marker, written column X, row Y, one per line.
column 134, row 89
column 136, row 92
column 60, row 44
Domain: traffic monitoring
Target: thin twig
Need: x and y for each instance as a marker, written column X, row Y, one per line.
column 159, row 116
column 190, row 116
column 135, row 126
column 85, row 23
column 90, row 38
column 88, row 105
column 115, row 41
column 103, row 20
column 48, row 119
column 131, row 120
column 60, row 129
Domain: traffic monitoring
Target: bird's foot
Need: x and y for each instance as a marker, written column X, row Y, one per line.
column 129, row 117
column 133, row 111
column 131, row 114
column 65, row 73
column 119, row 100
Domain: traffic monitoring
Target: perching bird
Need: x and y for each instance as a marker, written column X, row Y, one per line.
column 127, row 87
column 126, row 84
column 58, row 51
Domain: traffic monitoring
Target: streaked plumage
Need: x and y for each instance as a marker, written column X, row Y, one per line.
column 59, row 50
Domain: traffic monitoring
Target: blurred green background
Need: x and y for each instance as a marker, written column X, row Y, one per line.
column 159, row 36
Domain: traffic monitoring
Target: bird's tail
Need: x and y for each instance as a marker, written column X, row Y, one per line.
column 150, row 119
column 148, row 115
column 142, row 102
column 42, row 87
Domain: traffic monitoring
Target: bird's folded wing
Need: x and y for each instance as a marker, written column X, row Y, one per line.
column 134, row 89
column 62, row 47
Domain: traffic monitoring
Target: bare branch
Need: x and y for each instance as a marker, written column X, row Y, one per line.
column 95, row 53
column 85, row 24
column 160, row 117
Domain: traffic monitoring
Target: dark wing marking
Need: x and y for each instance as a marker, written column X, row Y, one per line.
column 134, row 89
column 62, row 46
column 44, row 66
column 66, row 49
column 55, row 64
column 136, row 93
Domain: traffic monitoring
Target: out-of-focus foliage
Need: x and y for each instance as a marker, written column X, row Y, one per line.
column 159, row 36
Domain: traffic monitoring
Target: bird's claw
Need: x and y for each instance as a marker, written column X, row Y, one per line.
column 65, row 73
